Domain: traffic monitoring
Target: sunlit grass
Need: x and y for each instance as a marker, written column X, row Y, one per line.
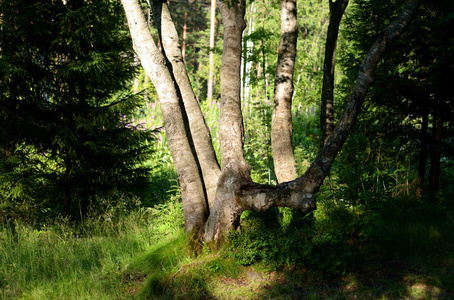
column 64, row 261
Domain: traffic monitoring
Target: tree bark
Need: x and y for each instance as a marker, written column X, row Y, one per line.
column 336, row 10
column 198, row 132
column 435, row 151
column 211, row 66
column 154, row 64
column 422, row 157
column 281, row 126
column 235, row 170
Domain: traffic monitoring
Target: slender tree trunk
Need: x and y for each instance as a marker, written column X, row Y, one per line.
column 422, row 156
column 281, row 126
column 435, row 152
column 336, row 10
column 197, row 130
column 154, row 64
column 185, row 27
column 67, row 187
column 211, row 67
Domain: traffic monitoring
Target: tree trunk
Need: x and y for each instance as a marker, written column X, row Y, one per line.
column 336, row 10
column 211, row 67
column 185, row 28
column 435, row 151
column 235, row 190
column 422, row 157
column 154, row 64
column 235, row 170
column 197, row 131
column 281, row 126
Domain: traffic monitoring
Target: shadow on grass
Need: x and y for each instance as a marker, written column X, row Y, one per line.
column 413, row 260
column 172, row 272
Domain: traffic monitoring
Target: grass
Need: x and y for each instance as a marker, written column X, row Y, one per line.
column 88, row 261
column 405, row 251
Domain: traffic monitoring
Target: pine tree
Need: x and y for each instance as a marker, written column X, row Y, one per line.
column 65, row 110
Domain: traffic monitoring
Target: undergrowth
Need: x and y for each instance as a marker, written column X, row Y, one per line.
column 393, row 248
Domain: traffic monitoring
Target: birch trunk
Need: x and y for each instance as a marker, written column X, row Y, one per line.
column 235, row 171
column 154, row 64
column 235, row 190
column 198, row 132
column 281, row 126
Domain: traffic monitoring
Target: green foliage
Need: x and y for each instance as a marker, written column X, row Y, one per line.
column 271, row 249
column 303, row 242
column 65, row 72
column 381, row 154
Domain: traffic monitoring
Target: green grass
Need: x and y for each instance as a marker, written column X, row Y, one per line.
column 401, row 249
column 88, row 261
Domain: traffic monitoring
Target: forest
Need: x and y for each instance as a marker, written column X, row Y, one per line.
column 229, row 149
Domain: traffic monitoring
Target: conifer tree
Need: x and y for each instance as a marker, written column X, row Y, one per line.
column 65, row 110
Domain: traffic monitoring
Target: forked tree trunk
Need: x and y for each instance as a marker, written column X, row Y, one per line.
column 235, row 171
column 235, row 190
column 281, row 126
column 336, row 10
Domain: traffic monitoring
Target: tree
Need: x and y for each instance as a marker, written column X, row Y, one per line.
column 413, row 84
column 235, row 191
column 327, row 102
column 64, row 69
column 211, row 67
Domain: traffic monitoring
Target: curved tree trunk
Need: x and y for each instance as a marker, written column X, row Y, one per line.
column 300, row 192
column 336, row 10
column 154, row 64
column 281, row 126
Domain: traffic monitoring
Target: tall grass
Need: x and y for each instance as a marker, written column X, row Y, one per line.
column 84, row 261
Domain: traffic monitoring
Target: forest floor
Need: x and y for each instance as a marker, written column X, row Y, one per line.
column 414, row 261
column 145, row 255
column 375, row 277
